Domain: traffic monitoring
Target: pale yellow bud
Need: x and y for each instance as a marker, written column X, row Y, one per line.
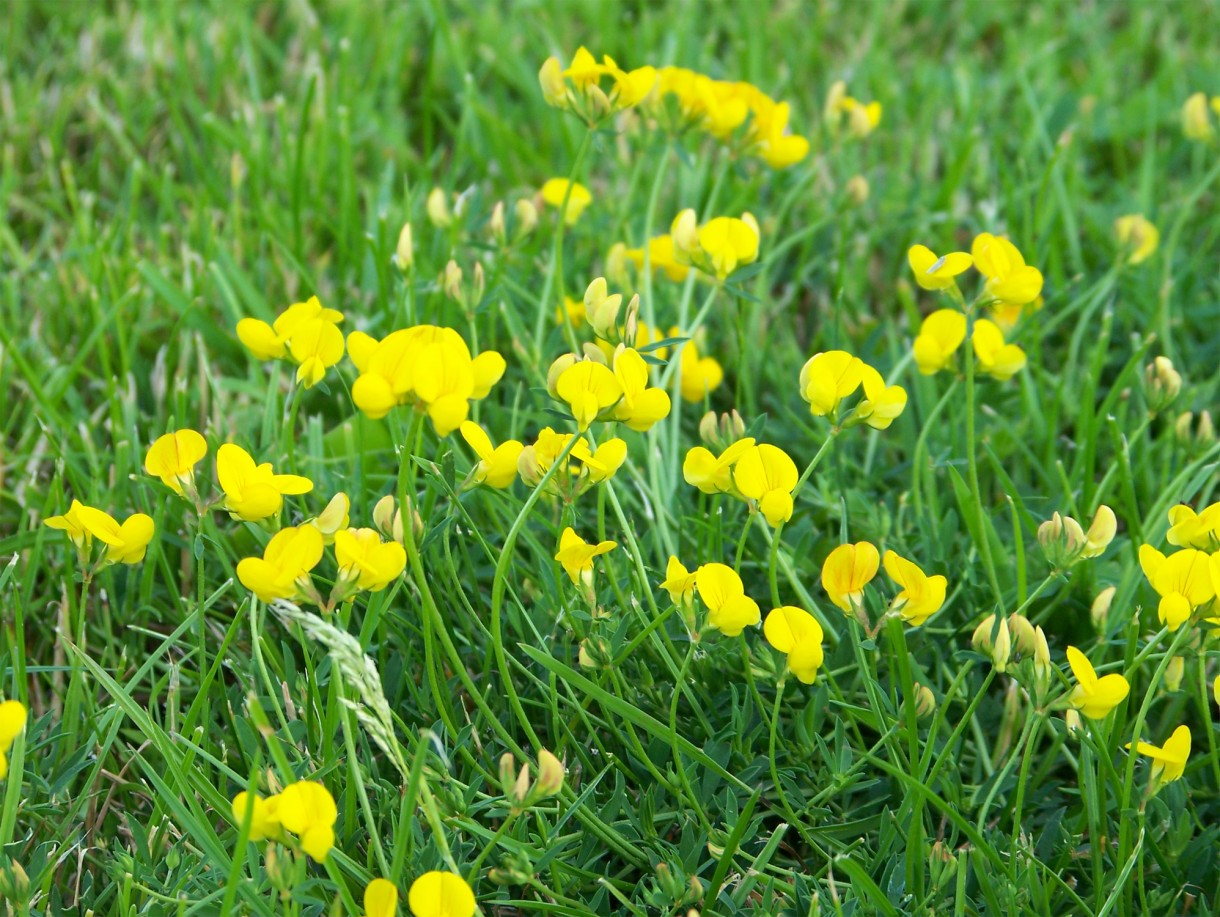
column 388, row 518
column 1173, row 674
column 601, row 309
column 1071, row 719
column 632, row 324
column 404, row 254
column 708, row 428
column 616, row 263
column 685, row 234
column 550, row 774
column 521, row 788
column 1024, row 637
column 1207, row 429
column 14, row 883
column 1196, row 120
column 1184, row 427
column 925, row 701
column 479, row 285
column 508, row 767
column 556, row 369
column 832, row 109
column 527, row 217
column 748, row 219
column 554, row 88
column 1162, row 382
column 1099, row 611
column 496, row 224
column 858, row 123
column 994, row 640
column 437, row 208
column 1101, row 532
column 857, row 189
column 452, row 281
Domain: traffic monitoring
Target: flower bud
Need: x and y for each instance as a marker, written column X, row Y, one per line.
column 527, row 217
column 521, row 788
column 925, row 701
column 388, row 518
column 1071, row 719
column 1173, row 674
column 601, row 309
column 437, row 208
column 14, row 883
column 451, row 282
column 554, row 87
column 1042, row 664
column 1196, row 120
column 1183, row 428
column 857, row 189
column 1099, row 611
column 833, row 106
column 1024, row 637
column 594, row 653
column 1162, row 383
column 993, row 639
column 508, row 767
column 550, row 775
column 496, row 225
column 708, row 430
column 1206, row 434
column 685, row 234
column 616, row 263
column 404, row 254
column 1062, row 540
column 562, row 362
column 479, row 285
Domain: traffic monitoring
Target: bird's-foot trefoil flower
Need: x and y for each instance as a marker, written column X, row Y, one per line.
column 441, row 894
column 283, row 570
column 767, row 475
column 845, row 573
column 1094, row 697
column 1168, row 760
column 723, row 594
column 497, row 466
column 920, row 595
column 1184, row 580
column 797, row 634
column 173, row 458
column 254, row 492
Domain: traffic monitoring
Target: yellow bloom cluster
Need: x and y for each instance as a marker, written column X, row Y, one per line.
column 718, row 247
column 729, row 111
column 830, row 377
column 126, row 543
column 591, row 90
column 851, row 567
column 1197, row 119
column 762, row 475
column 305, row 332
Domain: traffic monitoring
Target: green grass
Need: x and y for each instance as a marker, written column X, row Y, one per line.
column 167, row 169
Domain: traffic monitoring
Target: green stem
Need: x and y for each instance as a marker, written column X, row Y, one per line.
column 973, row 471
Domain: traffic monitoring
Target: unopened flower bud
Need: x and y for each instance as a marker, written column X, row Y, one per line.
column 437, row 208
column 479, row 285
column 404, row 254
column 708, row 429
column 857, row 189
column 1024, row 637
column 1099, row 611
column 550, row 775
column 496, row 224
column 631, row 326
column 1071, row 719
column 508, row 768
column 601, row 309
column 452, row 281
column 387, row 517
column 14, row 883
column 1216, row 689
column 594, row 653
column 521, row 788
column 685, row 234
column 527, row 217
column 992, row 639
column 925, row 701
column 832, row 109
column 616, row 263
column 1173, row 674
column 1184, row 428
column 1162, row 383
column 1206, row 434
column 562, row 362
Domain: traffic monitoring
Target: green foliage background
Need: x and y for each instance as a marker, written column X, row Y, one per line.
column 168, row 168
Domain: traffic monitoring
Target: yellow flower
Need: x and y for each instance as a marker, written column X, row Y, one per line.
column 698, row 376
column 426, row 365
column 1196, row 119
column 579, row 88
column 1189, row 529
column 1183, row 580
column 254, row 492
column 827, row 378
column 778, row 147
column 13, row 716
column 125, row 544
column 713, row 474
column 937, row 273
column 940, row 334
column 1010, row 281
column 660, row 257
column 437, row 208
column 305, row 331
column 996, row 358
column 307, row 809
column 767, row 474
column 173, row 458
column 72, row 523
column 1094, row 697
column 334, row 517
column 679, row 582
column 441, row 894
column 588, row 388
column 599, row 464
column 862, row 118
column 556, row 189
column 497, row 464
column 263, row 815
column 847, row 570
column 1168, row 760
column 1137, row 237
column 640, row 406
column 921, row 596
column 729, row 609
column 728, row 243
column 796, row 633
column 381, row 899
column 882, row 403
column 368, row 561
column 283, row 570
column 576, row 555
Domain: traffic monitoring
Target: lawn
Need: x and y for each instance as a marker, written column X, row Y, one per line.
column 763, row 463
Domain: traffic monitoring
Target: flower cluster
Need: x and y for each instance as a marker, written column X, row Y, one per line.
column 830, row 377
column 849, row 568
